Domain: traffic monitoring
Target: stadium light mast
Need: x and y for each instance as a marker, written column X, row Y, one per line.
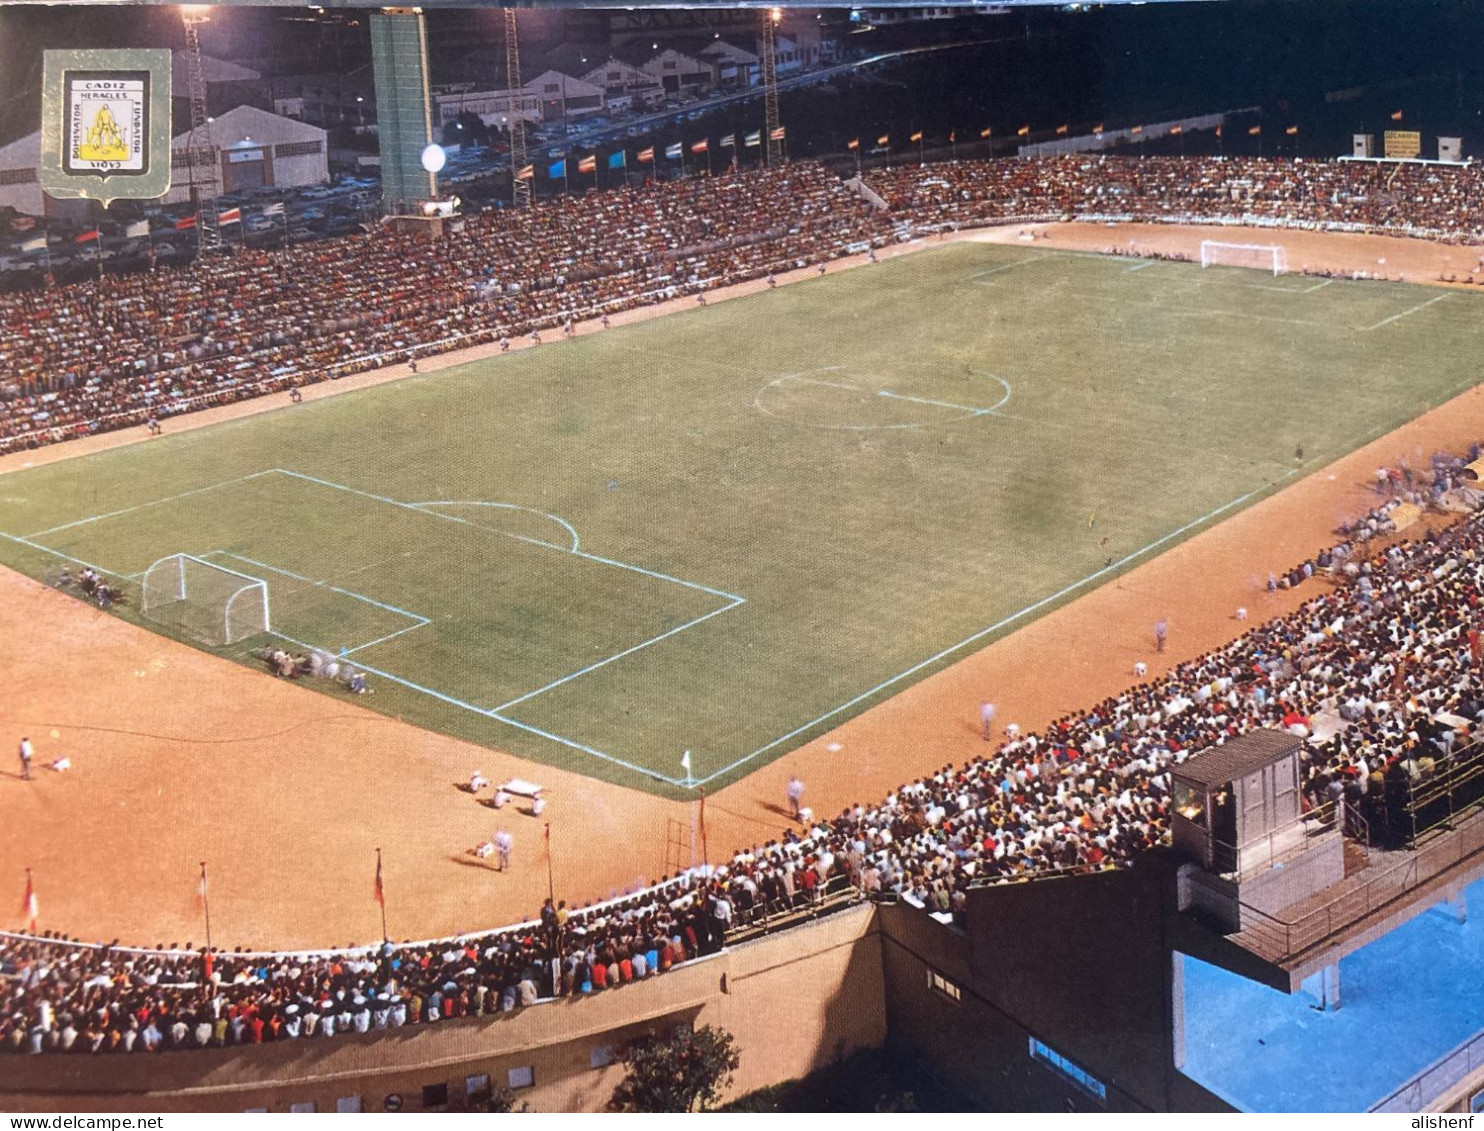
column 518, row 161
column 203, row 194
column 771, row 19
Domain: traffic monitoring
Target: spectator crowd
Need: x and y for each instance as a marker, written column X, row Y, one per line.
column 1378, row 671
column 121, row 350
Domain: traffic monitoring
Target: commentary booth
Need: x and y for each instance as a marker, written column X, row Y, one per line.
column 1237, row 815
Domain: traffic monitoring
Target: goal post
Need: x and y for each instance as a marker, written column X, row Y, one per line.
column 1263, row 256
column 213, row 604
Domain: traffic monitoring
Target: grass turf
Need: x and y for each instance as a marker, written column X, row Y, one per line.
column 727, row 530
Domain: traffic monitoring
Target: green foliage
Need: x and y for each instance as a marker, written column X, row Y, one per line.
column 683, row 1071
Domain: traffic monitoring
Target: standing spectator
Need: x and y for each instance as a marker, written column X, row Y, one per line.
column 1161, row 631
column 986, row 718
column 26, row 759
column 795, row 795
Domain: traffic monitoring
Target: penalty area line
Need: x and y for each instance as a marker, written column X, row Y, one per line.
column 1002, row 623
column 488, row 714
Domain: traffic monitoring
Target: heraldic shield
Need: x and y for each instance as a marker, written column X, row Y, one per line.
column 105, row 124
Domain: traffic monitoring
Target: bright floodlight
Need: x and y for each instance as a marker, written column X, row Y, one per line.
column 434, row 158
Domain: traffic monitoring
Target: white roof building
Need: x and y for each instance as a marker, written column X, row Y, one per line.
column 251, row 148
column 20, row 181
column 215, row 71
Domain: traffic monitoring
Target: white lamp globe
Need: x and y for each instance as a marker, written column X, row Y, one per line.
column 434, row 158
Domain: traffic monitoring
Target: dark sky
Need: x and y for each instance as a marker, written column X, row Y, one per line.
column 1114, row 62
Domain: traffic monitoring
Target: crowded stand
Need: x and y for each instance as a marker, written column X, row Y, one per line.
column 1376, row 671
column 121, row 350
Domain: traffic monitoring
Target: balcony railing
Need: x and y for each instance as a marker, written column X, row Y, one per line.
column 1382, row 884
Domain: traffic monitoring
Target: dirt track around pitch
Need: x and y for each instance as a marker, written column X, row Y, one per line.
column 181, row 757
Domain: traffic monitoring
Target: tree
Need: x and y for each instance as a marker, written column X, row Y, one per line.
column 681, row 1071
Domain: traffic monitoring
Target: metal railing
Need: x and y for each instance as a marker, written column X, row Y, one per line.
column 1437, row 1079
column 1277, row 844
column 1283, row 938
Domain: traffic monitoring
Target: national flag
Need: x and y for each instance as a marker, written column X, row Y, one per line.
column 685, row 763
column 675, row 152
column 38, row 244
column 86, row 237
column 557, row 169
column 729, row 142
column 201, row 885
column 755, row 138
column 619, row 160
column 274, row 209
column 916, row 137
column 137, row 231
column 1218, row 131
column 1254, row 131
column 185, row 223
column 1291, row 130
column 699, row 146
column 1396, row 116
column 1062, row 130
column 647, row 155
column 1176, row 131
column 778, row 134
column 1024, row 131
column 986, row 132
column 378, row 893
column 526, row 173
column 884, row 139
column 30, row 909
column 1097, row 129
column 1137, row 130
column 588, row 164
column 952, row 136
column 230, row 216
column 853, row 143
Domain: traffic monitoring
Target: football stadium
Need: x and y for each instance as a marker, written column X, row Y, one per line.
column 903, row 602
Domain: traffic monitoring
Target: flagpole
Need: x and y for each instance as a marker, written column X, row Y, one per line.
column 381, row 892
column 705, row 853
column 206, row 904
column 550, row 882
column 30, row 902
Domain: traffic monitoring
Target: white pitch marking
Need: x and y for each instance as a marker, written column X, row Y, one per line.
column 1403, row 314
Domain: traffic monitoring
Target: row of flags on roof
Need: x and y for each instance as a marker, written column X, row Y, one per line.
column 141, row 229
column 650, row 154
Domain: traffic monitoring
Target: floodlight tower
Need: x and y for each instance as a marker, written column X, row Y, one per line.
column 771, row 19
column 522, row 188
column 199, row 147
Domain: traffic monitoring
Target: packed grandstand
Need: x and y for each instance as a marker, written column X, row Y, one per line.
column 116, row 351
column 1375, row 670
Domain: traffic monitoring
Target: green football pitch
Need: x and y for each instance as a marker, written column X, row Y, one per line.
column 727, row 530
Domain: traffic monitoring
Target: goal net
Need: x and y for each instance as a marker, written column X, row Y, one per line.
column 1263, row 256
column 205, row 601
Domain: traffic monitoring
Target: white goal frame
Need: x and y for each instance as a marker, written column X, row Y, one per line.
column 1211, row 255
column 248, row 602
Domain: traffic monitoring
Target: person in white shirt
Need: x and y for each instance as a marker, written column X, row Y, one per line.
column 504, row 842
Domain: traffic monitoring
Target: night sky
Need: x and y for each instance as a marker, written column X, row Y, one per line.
column 1120, row 63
